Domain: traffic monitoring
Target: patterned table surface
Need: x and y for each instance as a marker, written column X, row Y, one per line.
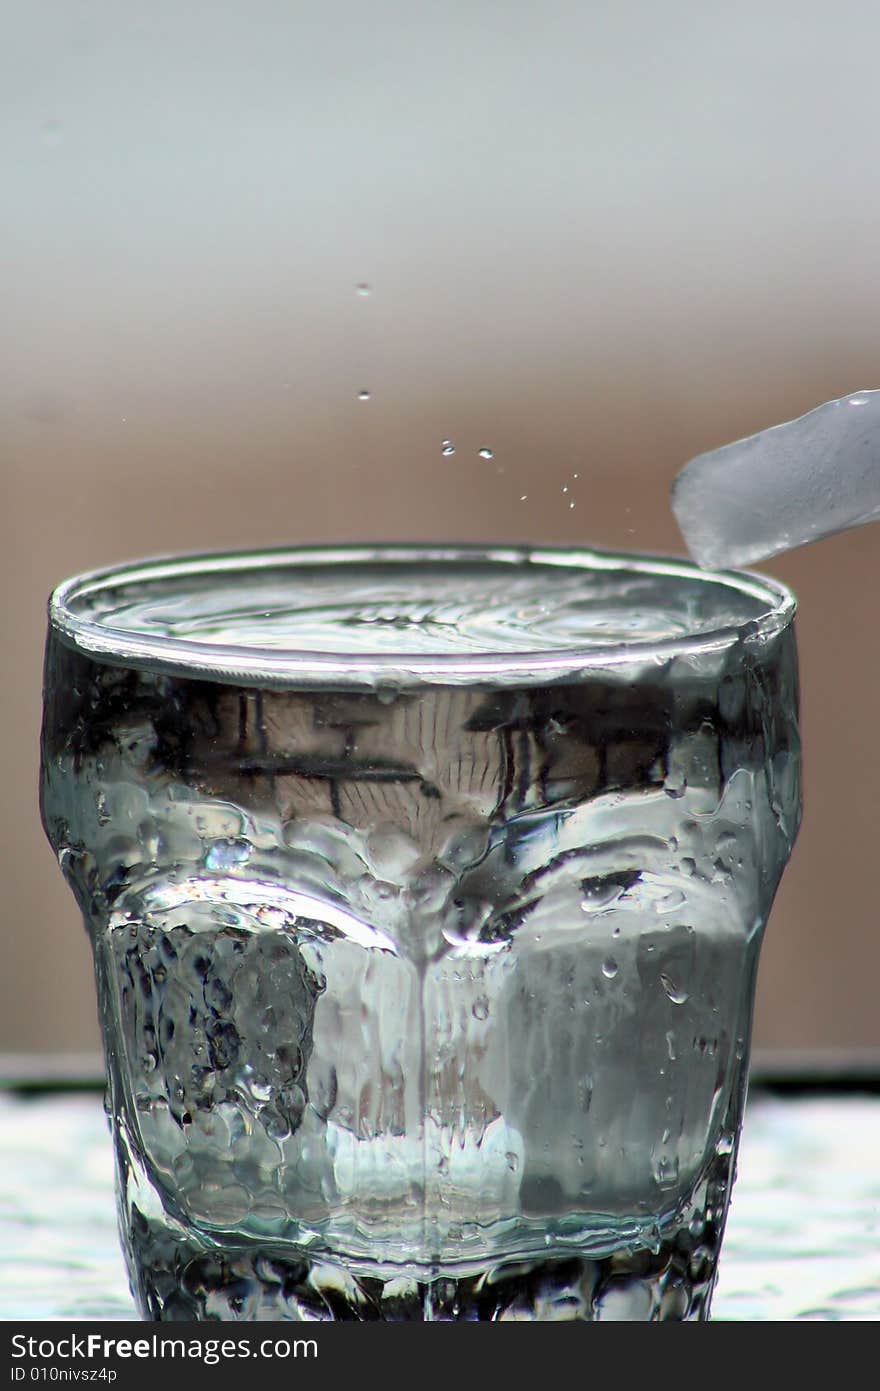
column 802, row 1242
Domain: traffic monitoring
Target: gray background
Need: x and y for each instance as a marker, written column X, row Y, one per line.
column 600, row 239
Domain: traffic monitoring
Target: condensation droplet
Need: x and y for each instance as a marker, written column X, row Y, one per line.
column 447, row 448
column 486, row 453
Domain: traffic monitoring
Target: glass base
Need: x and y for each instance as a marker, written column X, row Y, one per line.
column 175, row 1279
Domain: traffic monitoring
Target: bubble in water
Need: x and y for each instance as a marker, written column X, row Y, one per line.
column 570, row 506
column 676, row 993
column 486, row 453
column 363, row 395
column 565, row 487
column 524, row 497
column 447, row 448
column 610, row 968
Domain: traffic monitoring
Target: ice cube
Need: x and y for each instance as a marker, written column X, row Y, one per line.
column 783, row 487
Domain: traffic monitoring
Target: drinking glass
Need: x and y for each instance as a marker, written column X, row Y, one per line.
column 425, row 888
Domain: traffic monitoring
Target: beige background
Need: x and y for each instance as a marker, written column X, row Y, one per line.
column 600, row 239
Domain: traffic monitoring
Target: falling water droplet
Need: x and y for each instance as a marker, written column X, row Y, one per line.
column 363, row 395
column 447, row 448
column 486, row 453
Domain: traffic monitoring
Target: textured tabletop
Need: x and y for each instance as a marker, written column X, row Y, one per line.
column 803, row 1236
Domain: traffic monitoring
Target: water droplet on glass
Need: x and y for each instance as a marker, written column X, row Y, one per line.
column 363, row 395
column 480, row 1009
column 610, row 968
column 665, row 1170
column 228, row 852
column 599, row 895
column 486, row 453
column 447, row 448
column 675, row 992
column 669, row 902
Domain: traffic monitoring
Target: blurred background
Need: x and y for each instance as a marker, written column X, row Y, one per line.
column 259, row 261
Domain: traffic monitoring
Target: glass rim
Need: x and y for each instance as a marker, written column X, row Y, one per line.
column 294, row 667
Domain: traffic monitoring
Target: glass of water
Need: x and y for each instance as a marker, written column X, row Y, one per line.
column 426, row 888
